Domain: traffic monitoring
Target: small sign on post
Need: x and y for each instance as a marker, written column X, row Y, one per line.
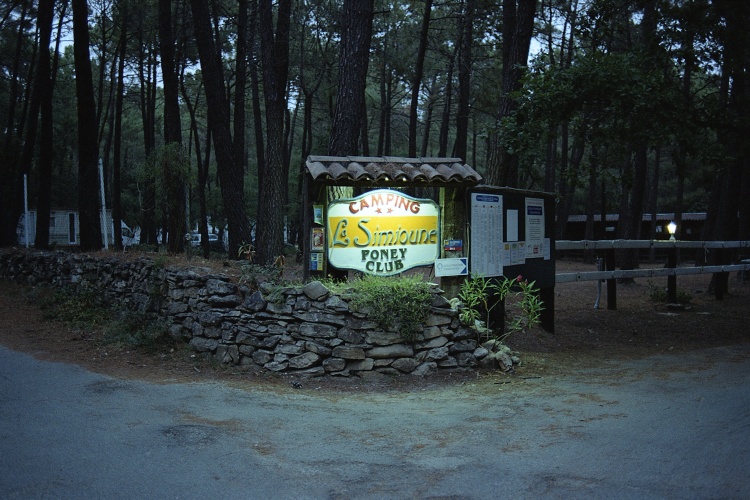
column 452, row 267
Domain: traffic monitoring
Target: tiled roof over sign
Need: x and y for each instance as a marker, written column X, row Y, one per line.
column 391, row 170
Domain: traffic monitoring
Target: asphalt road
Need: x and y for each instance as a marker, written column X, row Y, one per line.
column 666, row 427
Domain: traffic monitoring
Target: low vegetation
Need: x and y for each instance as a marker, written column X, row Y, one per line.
column 480, row 295
column 394, row 303
column 86, row 310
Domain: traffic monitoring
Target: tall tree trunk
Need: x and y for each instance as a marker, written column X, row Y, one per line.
column 445, row 118
column 148, row 195
column 11, row 189
column 117, row 160
column 428, row 120
column 173, row 176
column 653, row 200
column 218, row 118
column 518, row 27
column 416, row 81
column 385, row 105
column 88, row 186
column 464, row 81
column 14, row 77
column 353, row 61
column 240, row 82
column 275, row 55
column 44, row 84
column 202, row 167
column 260, row 147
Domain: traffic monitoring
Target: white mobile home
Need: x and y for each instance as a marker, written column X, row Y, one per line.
column 64, row 229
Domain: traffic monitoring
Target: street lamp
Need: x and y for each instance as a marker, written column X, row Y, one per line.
column 671, row 229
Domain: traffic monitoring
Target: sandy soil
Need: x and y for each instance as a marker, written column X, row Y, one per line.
column 584, row 336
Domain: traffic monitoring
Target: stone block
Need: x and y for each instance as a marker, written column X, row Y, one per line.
column 379, row 337
column 405, row 365
column 391, row 351
column 425, row 369
column 262, row 357
column 334, row 364
column 464, row 346
column 202, row 344
column 437, row 354
column 351, row 336
column 437, row 320
column 318, row 331
column 360, row 365
column 303, row 361
column 315, row 290
column 344, row 352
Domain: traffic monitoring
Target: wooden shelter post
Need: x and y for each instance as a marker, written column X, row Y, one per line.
column 452, row 201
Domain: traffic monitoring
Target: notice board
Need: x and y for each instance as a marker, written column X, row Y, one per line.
column 511, row 233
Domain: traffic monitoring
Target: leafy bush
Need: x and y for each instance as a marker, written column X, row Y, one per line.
column 480, row 295
column 393, row 303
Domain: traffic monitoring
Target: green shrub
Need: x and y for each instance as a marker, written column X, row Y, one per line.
column 393, row 303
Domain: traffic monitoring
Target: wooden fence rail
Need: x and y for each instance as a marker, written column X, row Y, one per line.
column 671, row 271
column 646, row 244
column 647, row 273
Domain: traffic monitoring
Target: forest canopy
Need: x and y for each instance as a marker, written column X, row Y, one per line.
column 205, row 111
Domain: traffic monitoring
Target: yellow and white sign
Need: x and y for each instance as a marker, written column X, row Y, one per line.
column 383, row 232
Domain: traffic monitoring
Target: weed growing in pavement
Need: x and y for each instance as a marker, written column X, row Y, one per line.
column 659, row 294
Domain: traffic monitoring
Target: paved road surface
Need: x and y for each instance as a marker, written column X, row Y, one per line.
column 674, row 427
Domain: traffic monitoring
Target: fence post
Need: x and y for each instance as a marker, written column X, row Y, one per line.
column 609, row 260
column 721, row 280
column 672, row 279
column 547, row 316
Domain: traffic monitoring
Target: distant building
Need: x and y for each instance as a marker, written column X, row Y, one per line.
column 692, row 226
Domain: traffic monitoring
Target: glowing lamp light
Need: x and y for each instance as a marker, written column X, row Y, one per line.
column 671, row 229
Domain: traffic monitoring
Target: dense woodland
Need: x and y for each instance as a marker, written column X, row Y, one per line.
column 212, row 106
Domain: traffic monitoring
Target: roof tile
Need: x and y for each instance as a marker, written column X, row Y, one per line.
column 391, row 170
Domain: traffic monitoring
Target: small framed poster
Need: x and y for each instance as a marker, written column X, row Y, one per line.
column 318, row 214
column 317, row 242
column 316, row 261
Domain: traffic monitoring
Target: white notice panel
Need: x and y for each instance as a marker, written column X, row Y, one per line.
column 534, row 228
column 486, row 234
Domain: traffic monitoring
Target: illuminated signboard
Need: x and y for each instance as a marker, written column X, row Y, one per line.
column 383, row 232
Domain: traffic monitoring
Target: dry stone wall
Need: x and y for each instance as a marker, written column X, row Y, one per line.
column 305, row 330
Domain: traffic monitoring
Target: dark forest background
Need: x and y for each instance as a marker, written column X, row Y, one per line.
column 212, row 106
